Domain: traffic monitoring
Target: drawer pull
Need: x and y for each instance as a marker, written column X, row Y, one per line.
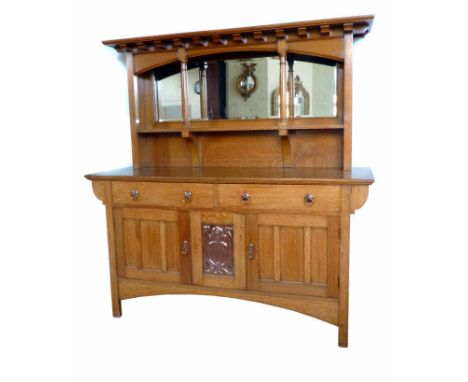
column 187, row 197
column 185, row 247
column 308, row 200
column 251, row 251
column 245, row 198
column 134, row 194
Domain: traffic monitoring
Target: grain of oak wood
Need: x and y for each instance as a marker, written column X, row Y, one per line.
column 287, row 250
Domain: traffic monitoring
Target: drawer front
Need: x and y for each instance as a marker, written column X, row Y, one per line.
column 281, row 198
column 179, row 195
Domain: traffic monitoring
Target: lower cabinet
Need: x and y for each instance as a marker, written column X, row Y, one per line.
column 294, row 254
column 268, row 252
column 152, row 244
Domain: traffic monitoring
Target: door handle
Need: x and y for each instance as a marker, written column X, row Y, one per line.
column 251, row 251
column 185, row 247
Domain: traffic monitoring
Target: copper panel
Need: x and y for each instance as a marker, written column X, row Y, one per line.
column 218, row 249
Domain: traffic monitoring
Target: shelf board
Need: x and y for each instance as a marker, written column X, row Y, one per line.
column 241, row 127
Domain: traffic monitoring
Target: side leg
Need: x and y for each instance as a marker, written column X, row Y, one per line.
column 116, row 303
column 344, row 283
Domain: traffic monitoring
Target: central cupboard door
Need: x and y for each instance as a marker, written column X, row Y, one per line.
column 296, row 254
column 218, row 256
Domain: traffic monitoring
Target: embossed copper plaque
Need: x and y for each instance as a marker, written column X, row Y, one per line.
column 218, row 249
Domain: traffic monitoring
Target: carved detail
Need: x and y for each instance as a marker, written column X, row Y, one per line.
column 325, row 30
column 199, row 41
column 218, row 254
column 217, row 39
column 237, row 37
column 259, row 36
column 348, row 27
column 303, row 32
column 281, row 34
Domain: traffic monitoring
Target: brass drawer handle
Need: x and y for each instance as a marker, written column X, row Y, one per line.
column 245, row 198
column 187, row 197
column 308, row 200
column 134, row 194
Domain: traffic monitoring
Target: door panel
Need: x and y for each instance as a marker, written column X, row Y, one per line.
column 218, row 258
column 293, row 254
column 148, row 244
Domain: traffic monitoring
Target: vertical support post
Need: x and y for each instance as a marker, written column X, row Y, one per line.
column 291, row 89
column 203, row 91
column 182, row 56
column 133, row 109
column 348, row 96
column 116, row 304
column 282, row 85
column 344, row 267
column 145, row 85
column 156, row 99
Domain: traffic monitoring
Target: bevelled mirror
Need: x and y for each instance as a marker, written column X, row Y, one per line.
column 168, row 95
column 232, row 86
column 311, row 88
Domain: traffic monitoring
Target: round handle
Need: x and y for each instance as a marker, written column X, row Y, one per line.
column 245, row 198
column 134, row 194
column 308, row 200
column 187, row 196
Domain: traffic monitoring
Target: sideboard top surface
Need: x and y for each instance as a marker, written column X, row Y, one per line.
column 298, row 175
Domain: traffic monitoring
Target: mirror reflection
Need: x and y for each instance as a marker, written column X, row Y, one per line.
column 311, row 89
column 237, row 88
column 168, row 95
column 242, row 87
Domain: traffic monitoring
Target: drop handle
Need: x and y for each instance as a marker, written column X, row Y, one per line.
column 134, row 194
column 245, row 198
column 187, row 196
column 251, row 251
column 308, row 200
column 185, row 247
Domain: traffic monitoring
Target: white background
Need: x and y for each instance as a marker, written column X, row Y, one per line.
column 63, row 113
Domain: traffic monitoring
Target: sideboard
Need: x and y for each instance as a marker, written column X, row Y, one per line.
column 242, row 184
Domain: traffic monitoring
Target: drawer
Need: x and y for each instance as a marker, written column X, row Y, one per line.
column 283, row 198
column 184, row 195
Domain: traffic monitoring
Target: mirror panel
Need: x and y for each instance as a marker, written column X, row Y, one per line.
column 193, row 80
column 314, row 87
column 236, row 88
column 246, row 86
column 168, row 94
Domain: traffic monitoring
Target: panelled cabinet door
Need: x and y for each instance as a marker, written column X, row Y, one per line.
column 152, row 244
column 218, row 249
column 296, row 254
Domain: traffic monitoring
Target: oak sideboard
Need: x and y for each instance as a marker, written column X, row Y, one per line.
column 242, row 184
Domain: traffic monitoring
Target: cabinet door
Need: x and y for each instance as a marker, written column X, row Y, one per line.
column 152, row 244
column 296, row 254
column 218, row 249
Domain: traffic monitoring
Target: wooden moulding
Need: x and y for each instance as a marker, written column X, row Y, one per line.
column 359, row 26
column 325, row 309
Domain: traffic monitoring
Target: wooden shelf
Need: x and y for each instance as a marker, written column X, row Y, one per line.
column 271, row 175
column 246, row 125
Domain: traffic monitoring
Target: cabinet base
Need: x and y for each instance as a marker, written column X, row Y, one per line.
column 325, row 309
